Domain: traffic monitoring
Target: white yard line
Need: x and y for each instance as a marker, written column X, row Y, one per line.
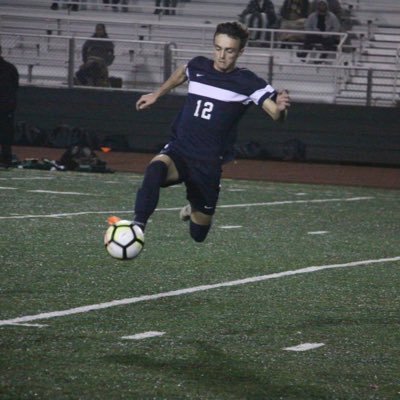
column 60, row 192
column 143, row 335
column 31, row 325
column 304, row 347
column 195, row 289
column 268, row 203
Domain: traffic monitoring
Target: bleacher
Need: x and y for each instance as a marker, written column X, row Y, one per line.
column 38, row 39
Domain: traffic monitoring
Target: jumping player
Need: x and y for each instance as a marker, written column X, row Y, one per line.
column 204, row 132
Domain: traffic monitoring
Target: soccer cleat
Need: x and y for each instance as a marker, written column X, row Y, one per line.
column 185, row 212
column 113, row 219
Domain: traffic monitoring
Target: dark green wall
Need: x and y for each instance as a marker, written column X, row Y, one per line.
column 341, row 134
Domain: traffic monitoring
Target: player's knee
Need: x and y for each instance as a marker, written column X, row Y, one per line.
column 199, row 232
column 156, row 172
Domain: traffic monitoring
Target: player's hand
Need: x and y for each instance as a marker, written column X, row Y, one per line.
column 146, row 101
column 283, row 100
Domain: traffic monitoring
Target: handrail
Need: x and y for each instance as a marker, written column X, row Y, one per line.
column 66, row 37
column 149, row 77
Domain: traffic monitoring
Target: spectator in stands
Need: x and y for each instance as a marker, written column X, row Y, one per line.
column 9, row 83
column 72, row 7
column 334, row 6
column 259, row 14
column 321, row 20
column 170, row 7
column 293, row 16
column 97, row 56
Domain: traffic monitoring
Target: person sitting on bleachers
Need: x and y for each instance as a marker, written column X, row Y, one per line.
column 343, row 14
column 293, row 16
column 333, row 5
column 97, row 56
column 259, row 14
column 321, row 20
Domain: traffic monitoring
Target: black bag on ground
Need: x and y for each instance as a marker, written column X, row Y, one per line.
column 84, row 159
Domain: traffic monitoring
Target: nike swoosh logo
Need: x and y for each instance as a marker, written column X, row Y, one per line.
column 198, row 75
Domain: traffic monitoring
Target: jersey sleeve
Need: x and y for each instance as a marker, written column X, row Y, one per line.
column 258, row 88
column 259, row 96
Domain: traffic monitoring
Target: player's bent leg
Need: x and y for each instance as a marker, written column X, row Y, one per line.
column 160, row 170
column 200, row 225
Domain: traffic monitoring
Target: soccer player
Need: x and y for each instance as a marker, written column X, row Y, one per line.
column 204, row 133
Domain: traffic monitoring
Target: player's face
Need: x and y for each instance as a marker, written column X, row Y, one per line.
column 226, row 52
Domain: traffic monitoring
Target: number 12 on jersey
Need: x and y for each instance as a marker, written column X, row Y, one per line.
column 203, row 109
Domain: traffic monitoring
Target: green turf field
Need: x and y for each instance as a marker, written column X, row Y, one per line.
column 294, row 295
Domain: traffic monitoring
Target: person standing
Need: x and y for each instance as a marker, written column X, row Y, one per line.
column 9, row 83
column 204, row 132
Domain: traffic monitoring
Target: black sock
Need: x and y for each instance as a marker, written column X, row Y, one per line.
column 149, row 193
column 198, row 232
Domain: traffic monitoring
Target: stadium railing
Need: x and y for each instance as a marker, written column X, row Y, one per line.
column 52, row 60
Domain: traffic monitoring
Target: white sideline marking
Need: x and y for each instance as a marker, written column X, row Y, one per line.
column 269, row 203
column 231, row 226
column 7, row 188
column 58, row 192
column 318, row 232
column 143, row 335
column 30, row 325
column 305, row 347
column 275, row 203
column 31, row 178
column 195, row 289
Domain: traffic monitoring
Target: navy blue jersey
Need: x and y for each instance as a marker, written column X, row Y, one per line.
column 205, row 128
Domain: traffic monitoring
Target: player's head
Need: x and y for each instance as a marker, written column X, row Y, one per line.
column 230, row 39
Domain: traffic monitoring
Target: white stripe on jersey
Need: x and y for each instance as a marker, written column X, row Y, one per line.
column 256, row 96
column 213, row 92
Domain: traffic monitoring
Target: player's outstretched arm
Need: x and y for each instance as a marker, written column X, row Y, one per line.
column 278, row 109
column 176, row 79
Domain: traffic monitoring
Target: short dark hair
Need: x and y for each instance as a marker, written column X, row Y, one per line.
column 235, row 30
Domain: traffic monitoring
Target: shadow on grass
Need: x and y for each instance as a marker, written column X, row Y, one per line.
column 222, row 374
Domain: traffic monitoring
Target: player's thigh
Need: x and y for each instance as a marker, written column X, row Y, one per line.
column 172, row 174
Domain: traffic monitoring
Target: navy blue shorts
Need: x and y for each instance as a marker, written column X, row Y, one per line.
column 201, row 178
